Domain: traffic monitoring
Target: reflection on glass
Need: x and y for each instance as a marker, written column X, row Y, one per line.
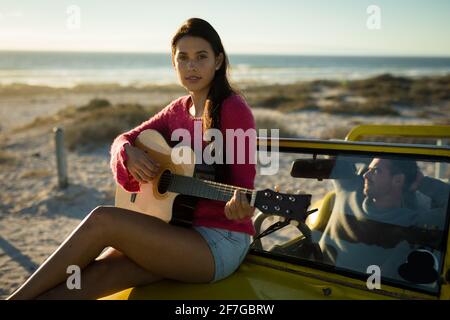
column 388, row 212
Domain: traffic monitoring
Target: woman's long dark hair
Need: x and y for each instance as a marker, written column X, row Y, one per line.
column 220, row 88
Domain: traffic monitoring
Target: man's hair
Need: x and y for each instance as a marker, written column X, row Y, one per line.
column 408, row 168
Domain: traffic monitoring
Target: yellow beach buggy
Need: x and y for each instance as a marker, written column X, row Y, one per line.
column 332, row 250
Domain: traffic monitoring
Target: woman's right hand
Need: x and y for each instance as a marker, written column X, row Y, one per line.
column 140, row 165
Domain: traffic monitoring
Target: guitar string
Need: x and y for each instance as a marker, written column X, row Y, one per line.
column 216, row 185
column 227, row 190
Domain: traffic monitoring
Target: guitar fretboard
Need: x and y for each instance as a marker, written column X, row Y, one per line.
column 201, row 188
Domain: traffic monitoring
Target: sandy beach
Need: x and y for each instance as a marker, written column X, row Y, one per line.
column 36, row 216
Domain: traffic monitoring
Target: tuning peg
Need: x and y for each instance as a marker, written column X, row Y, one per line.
column 277, row 188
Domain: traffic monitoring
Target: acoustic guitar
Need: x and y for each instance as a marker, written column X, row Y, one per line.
column 175, row 185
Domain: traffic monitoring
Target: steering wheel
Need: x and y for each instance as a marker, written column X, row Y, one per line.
column 304, row 248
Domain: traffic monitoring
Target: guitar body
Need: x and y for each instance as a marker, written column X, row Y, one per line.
column 167, row 206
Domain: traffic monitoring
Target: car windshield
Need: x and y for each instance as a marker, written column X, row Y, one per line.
column 380, row 213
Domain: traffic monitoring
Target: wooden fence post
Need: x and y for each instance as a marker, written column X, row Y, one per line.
column 60, row 158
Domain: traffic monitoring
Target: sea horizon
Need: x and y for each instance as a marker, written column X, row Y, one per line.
column 71, row 68
column 382, row 55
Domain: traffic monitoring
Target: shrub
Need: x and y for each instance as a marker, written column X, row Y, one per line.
column 95, row 104
column 7, row 158
column 273, row 120
column 272, row 101
column 371, row 108
column 101, row 126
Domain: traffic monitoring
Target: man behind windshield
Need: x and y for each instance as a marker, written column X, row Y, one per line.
column 377, row 217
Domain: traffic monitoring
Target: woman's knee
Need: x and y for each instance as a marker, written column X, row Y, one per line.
column 98, row 220
column 109, row 252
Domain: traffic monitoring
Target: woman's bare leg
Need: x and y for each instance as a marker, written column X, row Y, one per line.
column 110, row 273
column 82, row 246
column 161, row 249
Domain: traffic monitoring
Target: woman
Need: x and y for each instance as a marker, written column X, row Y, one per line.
column 144, row 249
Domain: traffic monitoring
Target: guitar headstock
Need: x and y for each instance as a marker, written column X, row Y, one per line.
column 287, row 205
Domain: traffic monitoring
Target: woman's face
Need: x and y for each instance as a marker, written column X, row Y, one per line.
column 195, row 63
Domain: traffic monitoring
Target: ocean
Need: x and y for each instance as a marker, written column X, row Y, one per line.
column 67, row 69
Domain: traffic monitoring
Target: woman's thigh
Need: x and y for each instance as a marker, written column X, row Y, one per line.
column 116, row 271
column 158, row 247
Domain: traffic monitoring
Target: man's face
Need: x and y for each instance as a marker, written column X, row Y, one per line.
column 378, row 180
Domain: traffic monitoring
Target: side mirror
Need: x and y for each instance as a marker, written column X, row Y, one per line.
column 419, row 267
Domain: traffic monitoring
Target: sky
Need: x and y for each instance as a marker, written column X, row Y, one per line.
column 333, row 27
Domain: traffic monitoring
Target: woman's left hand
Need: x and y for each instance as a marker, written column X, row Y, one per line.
column 238, row 207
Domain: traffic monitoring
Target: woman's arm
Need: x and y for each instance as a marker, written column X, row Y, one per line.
column 119, row 155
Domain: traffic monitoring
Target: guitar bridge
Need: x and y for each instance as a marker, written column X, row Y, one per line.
column 133, row 197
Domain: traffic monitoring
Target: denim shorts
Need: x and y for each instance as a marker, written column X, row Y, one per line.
column 228, row 248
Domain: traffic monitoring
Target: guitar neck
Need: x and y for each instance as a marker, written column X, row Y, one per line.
column 202, row 188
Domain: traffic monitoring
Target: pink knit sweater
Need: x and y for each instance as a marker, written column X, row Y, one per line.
column 235, row 114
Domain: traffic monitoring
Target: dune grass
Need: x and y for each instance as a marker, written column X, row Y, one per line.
column 96, row 123
column 373, row 108
column 285, row 98
column 379, row 95
column 270, row 121
column 99, row 122
column 102, row 123
column 389, row 89
column 7, row 158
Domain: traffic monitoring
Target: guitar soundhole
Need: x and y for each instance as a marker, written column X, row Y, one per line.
column 164, row 182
